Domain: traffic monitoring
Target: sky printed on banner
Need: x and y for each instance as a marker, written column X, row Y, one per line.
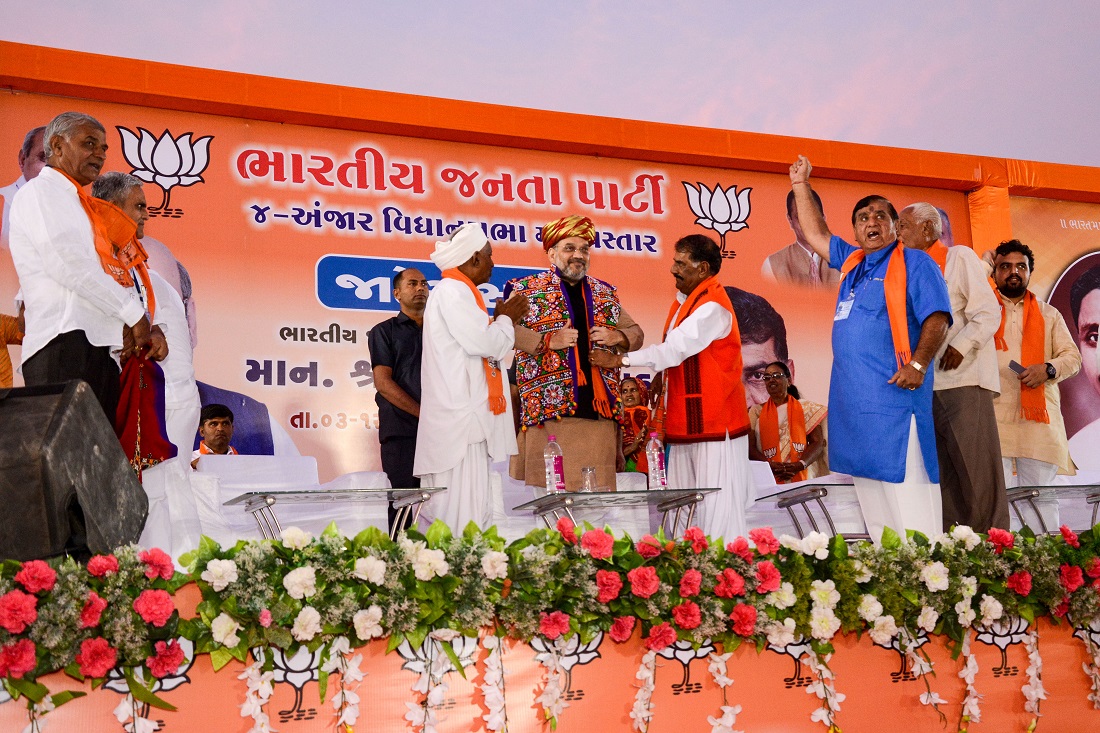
column 1011, row 78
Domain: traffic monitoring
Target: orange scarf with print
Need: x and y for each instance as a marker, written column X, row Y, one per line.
column 1033, row 400
column 205, row 450
column 938, row 252
column 116, row 242
column 895, row 299
column 493, row 375
column 769, row 432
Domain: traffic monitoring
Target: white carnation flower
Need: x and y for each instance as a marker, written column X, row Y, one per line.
column 295, row 538
column 224, row 630
column 816, row 544
column 301, row 582
column 823, row 623
column 781, row 634
column 824, row 593
column 934, row 575
column 991, row 609
column 869, row 608
column 495, row 565
column 782, row 597
column 967, row 536
column 368, row 623
column 863, row 573
column 791, row 542
column 969, row 586
column 220, row 573
column 965, row 612
column 370, row 569
column 928, row 618
column 307, row 624
column 884, row 631
column 429, row 564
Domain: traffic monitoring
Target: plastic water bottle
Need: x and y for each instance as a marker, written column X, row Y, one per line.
column 655, row 457
column 555, row 470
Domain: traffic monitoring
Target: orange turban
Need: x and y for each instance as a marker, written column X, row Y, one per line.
column 568, row 226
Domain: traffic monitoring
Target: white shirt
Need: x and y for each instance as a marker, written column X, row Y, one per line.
column 179, row 372
column 454, row 404
column 62, row 280
column 8, row 193
column 976, row 316
column 708, row 323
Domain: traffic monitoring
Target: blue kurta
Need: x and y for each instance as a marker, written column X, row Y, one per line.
column 869, row 418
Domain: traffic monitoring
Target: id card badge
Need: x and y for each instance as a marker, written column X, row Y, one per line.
column 844, row 308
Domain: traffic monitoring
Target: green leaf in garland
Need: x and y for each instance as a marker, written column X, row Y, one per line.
column 437, row 534
column 370, row 537
column 322, row 684
column 220, row 657
column 28, row 688
column 450, row 652
column 60, row 698
column 890, row 539
column 331, row 531
column 839, row 549
column 394, row 641
column 1027, row 613
column 142, row 693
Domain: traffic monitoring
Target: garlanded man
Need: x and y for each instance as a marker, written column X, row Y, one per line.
column 465, row 413
column 560, row 391
column 706, row 423
column 966, row 380
column 892, row 315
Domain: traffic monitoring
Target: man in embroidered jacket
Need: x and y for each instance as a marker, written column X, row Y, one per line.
column 892, row 316
column 706, row 422
column 1033, row 334
column 465, row 414
column 561, row 393
column 966, row 380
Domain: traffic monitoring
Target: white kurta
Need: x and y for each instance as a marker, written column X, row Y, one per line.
column 454, row 406
column 712, row 463
column 181, row 395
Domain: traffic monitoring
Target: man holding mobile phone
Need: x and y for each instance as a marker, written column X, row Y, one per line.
column 1035, row 351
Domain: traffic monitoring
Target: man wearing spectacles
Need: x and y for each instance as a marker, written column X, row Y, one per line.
column 571, row 314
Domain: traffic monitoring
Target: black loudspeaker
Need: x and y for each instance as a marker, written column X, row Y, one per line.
column 65, row 484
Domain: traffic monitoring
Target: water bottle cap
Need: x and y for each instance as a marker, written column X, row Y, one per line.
column 552, row 439
column 653, row 434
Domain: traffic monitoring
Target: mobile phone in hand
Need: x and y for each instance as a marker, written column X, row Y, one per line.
column 1016, row 366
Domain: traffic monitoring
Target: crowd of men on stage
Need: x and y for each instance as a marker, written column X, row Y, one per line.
column 943, row 385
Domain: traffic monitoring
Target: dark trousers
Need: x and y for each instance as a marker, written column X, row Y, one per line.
column 70, row 356
column 968, row 445
column 397, row 462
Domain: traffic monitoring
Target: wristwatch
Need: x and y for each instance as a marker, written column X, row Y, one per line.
column 625, row 359
column 1051, row 373
column 918, row 366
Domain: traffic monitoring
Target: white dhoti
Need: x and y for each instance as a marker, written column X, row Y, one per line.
column 1033, row 472
column 469, row 496
column 182, row 423
column 173, row 521
column 715, row 463
column 915, row 503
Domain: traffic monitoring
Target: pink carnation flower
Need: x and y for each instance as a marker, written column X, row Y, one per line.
column 265, row 618
column 698, row 540
column 690, row 583
column 1001, row 540
column 740, row 547
column 1020, row 582
column 96, row 657
column 598, row 543
column 621, row 629
column 610, row 583
column 553, row 624
column 1071, row 577
column 100, row 565
column 648, row 547
column 36, row 576
column 157, row 564
column 660, row 636
column 767, row 577
column 93, row 609
column 643, row 581
column 766, row 543
column 18, row 610
column 730, row 583
column 686, row 615
column 744, row 619
column 1069, row 536
column 167, row 658
column 154, row 606
column 17, row 659
column 568, row 530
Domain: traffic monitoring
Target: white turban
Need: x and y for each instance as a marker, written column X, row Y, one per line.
column 467, row 240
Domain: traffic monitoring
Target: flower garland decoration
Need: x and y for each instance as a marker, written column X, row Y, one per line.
column 259, row 688
column 727, row 713
column 642, row 711
column 971, row 704
column 1034, row 692
column 1092, row 670
column 824, row 686
column 346, row 700
column 128, row 713
column 492, row 686
column 551, row 698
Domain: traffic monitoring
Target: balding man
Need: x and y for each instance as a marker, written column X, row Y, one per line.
column 32, row 158
column 75, row 278
column 966, row 380
column 465, row 413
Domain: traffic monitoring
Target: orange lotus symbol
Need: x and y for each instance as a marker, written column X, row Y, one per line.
column 721, row 210
column 166, row 161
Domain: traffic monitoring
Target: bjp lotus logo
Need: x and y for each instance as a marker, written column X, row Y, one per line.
column 721, row 210
column 166, row 161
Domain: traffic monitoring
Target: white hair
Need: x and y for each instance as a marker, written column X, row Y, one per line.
column 926, row 213
column 65, row 124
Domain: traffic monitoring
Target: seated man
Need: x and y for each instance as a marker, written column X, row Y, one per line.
column 216, row 430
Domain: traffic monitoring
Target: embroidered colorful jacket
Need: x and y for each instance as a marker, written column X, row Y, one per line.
column 548, row 381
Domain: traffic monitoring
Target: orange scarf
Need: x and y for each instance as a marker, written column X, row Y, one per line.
column 895, row 299
column 769, row 432
column 493, row 376
column 601, row 402
column 938, row 252
column 115, row 242
column 1033, row 400
column 204, row 450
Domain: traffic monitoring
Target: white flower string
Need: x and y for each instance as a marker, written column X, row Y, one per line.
column 971, row 704
column 422, row 715
column 824, row 686
column 642, row 711
column 1034, row 692
column 551, row 696
column 260, row 686
column 132, row 722
column 727, row 713
column 346, row 700
column 492, row 687
column 1092, row 670
column 921, row 665
column 36, row 714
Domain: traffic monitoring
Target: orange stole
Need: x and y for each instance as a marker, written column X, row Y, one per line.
column 938, row 253
column 493, row 375
column 769, row 433
column 1033, row 400
column 895, row 299
column 705, row 396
